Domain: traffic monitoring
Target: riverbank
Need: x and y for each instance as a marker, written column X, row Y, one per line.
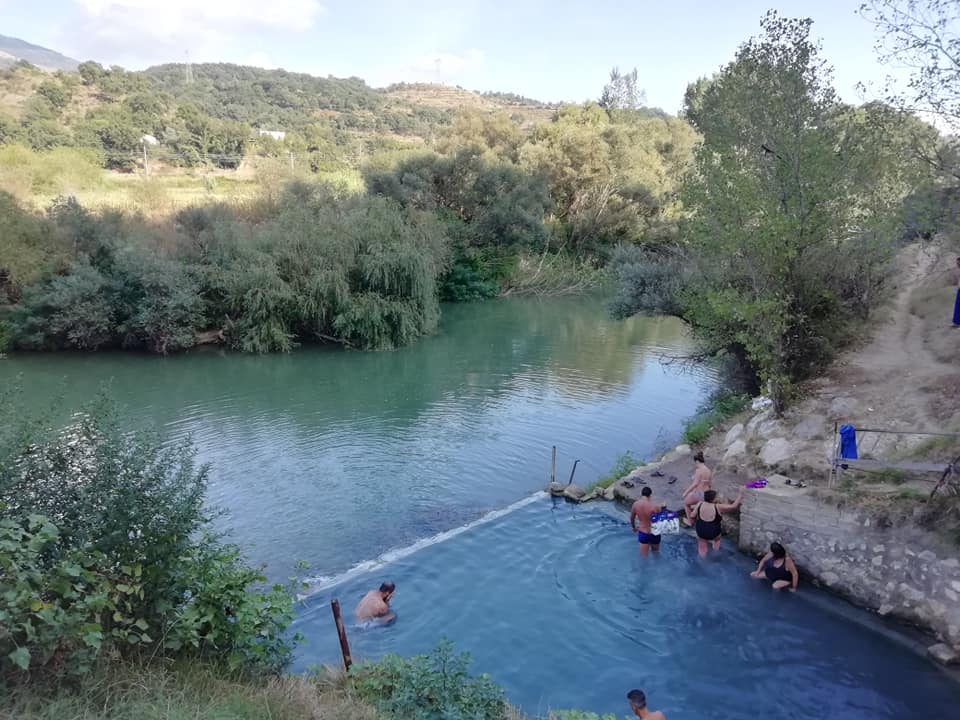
column 878, row 539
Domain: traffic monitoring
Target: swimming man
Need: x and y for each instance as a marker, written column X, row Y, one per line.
column 376, row 605
column 638, row 703
column 640, row 515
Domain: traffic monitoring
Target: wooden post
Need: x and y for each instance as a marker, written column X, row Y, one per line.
column 344, row 645
column 553, row 465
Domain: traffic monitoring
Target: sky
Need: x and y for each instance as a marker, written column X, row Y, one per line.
column 554, row 50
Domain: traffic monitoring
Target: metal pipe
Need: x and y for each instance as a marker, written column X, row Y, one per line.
column 342, row 633
column 572, row 471
column 907, row 432
column 553, row 464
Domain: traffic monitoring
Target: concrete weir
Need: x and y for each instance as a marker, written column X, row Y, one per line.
column 894, row 571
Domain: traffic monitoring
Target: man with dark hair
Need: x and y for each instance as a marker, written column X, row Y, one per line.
column 376, row 605
column 638, row 703
column 640, row 515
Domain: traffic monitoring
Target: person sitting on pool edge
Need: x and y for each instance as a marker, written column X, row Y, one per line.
column 709, row 525
column 638, row 703
column 779, row 568
column 375, row 605
column 642, row 510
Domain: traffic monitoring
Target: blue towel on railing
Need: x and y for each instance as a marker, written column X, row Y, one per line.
column 956, row 309
column 848, row 442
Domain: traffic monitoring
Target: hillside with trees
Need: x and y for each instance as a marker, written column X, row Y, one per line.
column 765, row 216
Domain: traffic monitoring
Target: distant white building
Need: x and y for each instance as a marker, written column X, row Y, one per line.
column 275, row 134
column 149, row 140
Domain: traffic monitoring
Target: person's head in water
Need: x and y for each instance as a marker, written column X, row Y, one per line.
column 387, row 589
column 710, row 496
column 778, row 550
column 646, row 492
column 699, row 457
column 638, row 701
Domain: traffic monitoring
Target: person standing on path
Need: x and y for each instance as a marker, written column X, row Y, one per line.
column 956, row 303
column 638, row 703
column 640, row 515
column 702, row 481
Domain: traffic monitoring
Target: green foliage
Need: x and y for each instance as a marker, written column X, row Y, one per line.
column 55, row 611
column 105, row 545
column 793, row 212
column 430, row 687
column 624, row 465
column 57, row 94
column 579, row 715
column 721, row 405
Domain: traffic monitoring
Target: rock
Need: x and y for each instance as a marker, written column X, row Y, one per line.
column 944, row 654
column 928, row 556
column 754, row 422
column 682, row 449
column 776, row 451
column 610, row 493
column 885, row 609
column 574, row 492
column 736, row 449
column 843, row 408
column 809, row 428
column 733, row 434
column 556, row 488
column 830, row 578
column 769, row 428
column 955, row 585
column 777, row 479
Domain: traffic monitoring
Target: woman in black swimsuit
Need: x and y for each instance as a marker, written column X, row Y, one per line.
column 709, row 527
column 778, row 567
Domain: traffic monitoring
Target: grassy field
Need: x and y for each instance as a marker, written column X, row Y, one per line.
column 187, row 692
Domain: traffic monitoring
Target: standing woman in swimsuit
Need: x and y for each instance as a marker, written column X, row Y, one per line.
column 778, row 567
column 709, row 524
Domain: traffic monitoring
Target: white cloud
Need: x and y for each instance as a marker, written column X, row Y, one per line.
column 443, row 67
column 141, row 32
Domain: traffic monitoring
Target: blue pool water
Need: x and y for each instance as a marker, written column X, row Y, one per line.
column 556, row 604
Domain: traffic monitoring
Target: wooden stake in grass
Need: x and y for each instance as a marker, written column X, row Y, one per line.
column 342, row 633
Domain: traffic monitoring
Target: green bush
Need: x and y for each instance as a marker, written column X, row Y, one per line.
column 61, row 607
column 624, row 465
column 105, row 538
column 430, row 687
column 721, row 405
column 697, row 431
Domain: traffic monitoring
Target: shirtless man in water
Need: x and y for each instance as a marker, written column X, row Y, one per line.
column 702, row 481
column 640, row 515
column 638, row 703
column 376, row 605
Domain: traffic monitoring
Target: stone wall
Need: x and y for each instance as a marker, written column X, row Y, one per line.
column 905, row 572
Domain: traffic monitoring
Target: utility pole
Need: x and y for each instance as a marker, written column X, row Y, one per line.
column 291, row 160
column 146, row 162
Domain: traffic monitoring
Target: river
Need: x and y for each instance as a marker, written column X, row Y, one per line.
column 336, row 457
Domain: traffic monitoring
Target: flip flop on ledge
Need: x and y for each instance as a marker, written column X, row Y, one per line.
column 672, row 480
column 656, row 473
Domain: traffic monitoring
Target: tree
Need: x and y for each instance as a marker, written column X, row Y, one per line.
column 56, row 93
column 621, row 92
column 90, row 72
column 923, row 36
column 792, row 205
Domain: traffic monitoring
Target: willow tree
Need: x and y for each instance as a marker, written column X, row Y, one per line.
column 790, row 229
